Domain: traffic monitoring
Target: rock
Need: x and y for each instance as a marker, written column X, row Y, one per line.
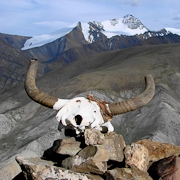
column 91, row 166
column 169, row 168
column 69, row 162
column 10, row 171
column 96, row 152
column 114, row 144
column 93, row 137
column 69, row 146
column 38, row 169
column 88, row 152
column 137, row 155
column 94, row 177
column 95, row 160
column 127, row 174
column 158, row 150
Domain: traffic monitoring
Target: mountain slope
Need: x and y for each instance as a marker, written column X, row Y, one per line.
column 29, row 129
column 14, row 41
column 13, row 66
column 80, row 40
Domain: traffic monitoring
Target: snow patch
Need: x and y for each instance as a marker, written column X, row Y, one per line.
column 120, row 28
column 173, row 30
column 43, row 39
column 85, row 30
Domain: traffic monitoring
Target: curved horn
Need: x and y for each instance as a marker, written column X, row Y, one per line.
column 31, row 89
column 137, row 102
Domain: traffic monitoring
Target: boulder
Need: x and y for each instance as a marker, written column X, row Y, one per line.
column 127, row 174
column 69, row 146
column 93, row 137
column 158, row 150
column 91, row 166
column 38, row 169
column 169, row 168
column 136, row 155
column 90, row 159
column 114, row 144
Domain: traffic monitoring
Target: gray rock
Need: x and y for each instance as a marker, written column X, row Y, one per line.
column 6, row 125
column 114, row 144
column 93, row 137
column 69, row 146
column 69, row 162
column 94, row 160
column 36, row 169
column 127, row 174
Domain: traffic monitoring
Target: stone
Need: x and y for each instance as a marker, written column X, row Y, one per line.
column 69, row 162
column 91, row 166
column 69, row 146
column 127, row 174
column 137, row 155
column 114, row 144
column 93, row 137
column 169, row 168
column 10, row 171
column 38, row 169
column 94, row 160
column 158, row 151
column 88, row 152
column 98, row 153
column 94, row 177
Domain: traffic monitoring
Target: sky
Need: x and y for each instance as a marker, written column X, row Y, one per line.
column 35, row 17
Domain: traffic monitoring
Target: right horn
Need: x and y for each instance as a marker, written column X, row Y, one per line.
column 31, row 89
column 137, row 102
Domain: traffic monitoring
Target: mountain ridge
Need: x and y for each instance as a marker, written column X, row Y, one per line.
column 75, row 45
column 126, row 26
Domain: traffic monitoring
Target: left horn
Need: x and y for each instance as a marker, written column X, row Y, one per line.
column 137, row 102
column 31, row 89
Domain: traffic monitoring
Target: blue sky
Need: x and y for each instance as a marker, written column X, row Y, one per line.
column 34, row 17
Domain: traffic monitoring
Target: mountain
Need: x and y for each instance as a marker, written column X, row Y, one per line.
column 14, row 41
column 29, row 129
column 92, row 31
column 83, row 39
column 95, row 31
column 80, row 40
column 109, row 60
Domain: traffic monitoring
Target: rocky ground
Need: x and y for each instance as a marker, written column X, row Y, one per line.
column 100, row 156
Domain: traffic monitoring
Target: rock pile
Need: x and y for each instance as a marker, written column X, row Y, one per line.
column 98, row 156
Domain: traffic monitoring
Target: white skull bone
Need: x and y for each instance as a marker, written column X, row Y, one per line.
column 81, row 113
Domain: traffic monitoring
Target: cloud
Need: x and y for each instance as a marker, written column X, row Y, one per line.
column 177, row 17
column 52, row 24
column 131, row 2
column 134, row 2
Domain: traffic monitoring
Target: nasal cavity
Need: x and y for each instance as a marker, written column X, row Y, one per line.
column 78, row 119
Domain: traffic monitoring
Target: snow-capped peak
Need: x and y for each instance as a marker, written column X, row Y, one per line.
column 93, row 31
column 132, row 22
column 122, row 26
column 128, row 25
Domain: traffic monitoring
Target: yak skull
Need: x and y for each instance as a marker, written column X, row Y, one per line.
column 80, row 113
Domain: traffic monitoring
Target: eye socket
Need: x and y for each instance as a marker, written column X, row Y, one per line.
column 78, row 119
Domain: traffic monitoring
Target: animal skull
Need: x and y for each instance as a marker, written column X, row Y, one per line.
column 80, row 113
